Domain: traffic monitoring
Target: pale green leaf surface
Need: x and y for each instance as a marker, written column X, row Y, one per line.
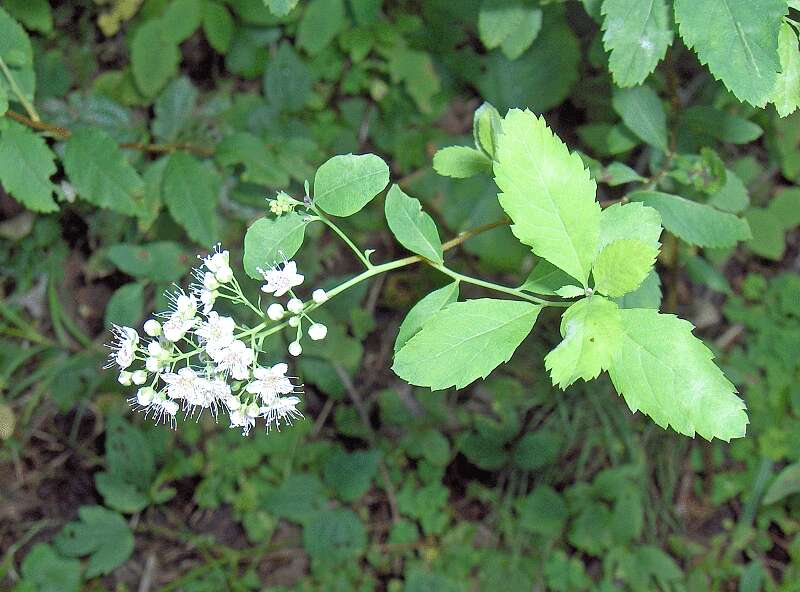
column 191, row 190
column 272, row 240
column 787, row 86
column 287, row 80
column 732, row 196
column 523, row 34
column 461, row 162
column 422, row 311
column 44, row 570
column 630, row 221
column 281, row 7
column 571, row 291
column 622, row 266
column 160, row 261
column 100, row 533
column 497, row 19
column 174, row 109
column 642, row 112
column 785, row 484
column 464, row 342
column 546, row 278
column 182, row 18
column 26, row 165
column 413, row 228
column 154, row 57
column 548, row 194
column 486, row 125
column 126, row 306
column 647, row 295
column 344, row 184
column 668, row 374
column 321, row 22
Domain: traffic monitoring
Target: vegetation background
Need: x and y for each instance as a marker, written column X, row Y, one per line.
column 136, row 133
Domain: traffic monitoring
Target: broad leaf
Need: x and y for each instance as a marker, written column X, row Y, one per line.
column 17, row 53
column 622, row 266
column 174, row 109
column 592, row 332
column 642, row 112
column 26, row 165
column 345, row 184
column 693, row 222
column 287, row 80
column 44, row 570
column 523, row 34
column 667, row 373
column 787, row 87
column 334, row 537
column 637, row 33
column 350, row 474
column 647, row 295
column 191, row 190
column 154, row 57
column 785, row 484
column 548, row 194
column 422, row 311
column 630, row 221
column 546, row 278
column 461, row 162
column 218, row 25
column 272, row 240
column 322, row 21
column 161, row 261
column 126, row 306
column 413, row 228
column 182, row 18
column 497, row 19
column 738, row 40
column 281, row 7
column 464, row 342
column 100, row 533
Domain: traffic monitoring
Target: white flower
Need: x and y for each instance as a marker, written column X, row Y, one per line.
column 295, row 348
column 242, row 420
column 123, row 347
column 295, row 305
column 270, row 383
column 275, row 311
column 124, row 378
column 176, row 327
column 207, row 298
column 210, row 281
column 235, row 359
column 283, row 409
column 317, row 331
column 281, row 280
column 217, row 333
column 152, row 364
column 152, row 327
column 218, row 263
column 155, row 349
column 139, row 377
column 294, row 322
column 183, row 384
column 144, row 396
column 319, row 296
column 162, row 408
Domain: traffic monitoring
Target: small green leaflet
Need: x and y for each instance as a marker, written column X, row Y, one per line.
column 642, row 112
column 99, row 172
column 344, row 184
column 667, row 373
column 546, row 278
column 191, row 190
column 523, row 34
column 622, row 266
column 497, row 19
column 272, row 240
column 630, row 221
column 592, row 332
column 413, row 228
column 695, row 223
column 17, row 53
column 280, row 7
column 461, row 162
column 637, row 33
column 321, row 22
column 260, row 165
column 571, row 291
column 738, row 40
column 154, row 57
column 422, row 311
column 464, row 342
column 26, row 165
column 486, row 125
column 334, row 537
column 102, row 534
column 218, row 26
column 350, row 474
column 785, row 484
column 787, row 87
column 44, row 570
column 548, row 194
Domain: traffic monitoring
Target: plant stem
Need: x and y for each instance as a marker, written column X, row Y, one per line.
column 18, row 91
column 343, row 236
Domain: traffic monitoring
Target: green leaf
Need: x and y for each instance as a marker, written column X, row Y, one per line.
column 711, row 122
column 618, row 173
column 769, row 234
column 17, row 53
column 546, row 278
column 785, row 484
column 667, row 373
column 119, row 494
column 642, row 112
column 44, row 570
column 542, row 511
column 3, row 100
column 191, row 190
column 299, row 498
column 424, row 310
column 647, row 295
column 154, row 57
column 99, row 172
column 344, row 184
column 523, row 34
column 181, row 19
column 465, row 341
column 287, row 80
column 738, row 40
column 218, row 26
column 174, row 109
column 271, row 240
column 571, row 291
column 413, row 228
column 732, row 196
column 622, row 266
column 637, row 33
column 281, row 7
column 548, row 194
column 260, row 165
column 102, row 534
column 592, row 332
column 497, row 19
column 415, row 70
column 786, row 95
column 34, row 14
column 161, row 261
column 695, row 223
column 26, row 165
column 131, row 467
column 630, row 221
column 461, row 162
column 486, row 125
column 334, row 537
column 321, row 22
column 126, row 306
column 350, row 475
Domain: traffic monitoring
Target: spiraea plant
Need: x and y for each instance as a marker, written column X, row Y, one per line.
column 594, row 263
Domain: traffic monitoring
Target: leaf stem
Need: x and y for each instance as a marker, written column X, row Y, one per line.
column 31, row 110
column 343, row 236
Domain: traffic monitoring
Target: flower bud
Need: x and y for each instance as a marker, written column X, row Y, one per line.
column 124, row 378
column 294, row 322
column 154, row 349
column 317, row 331
column 139, row 377
column 152, row 327
column 295, row 348
column 319, row 296
column 275, row 311
column 224, row 274
column 252, row 410
column 145, row 395
column 295, row 305
column 152, row 364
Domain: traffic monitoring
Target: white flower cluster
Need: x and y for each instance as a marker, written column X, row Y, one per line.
column 197, row 359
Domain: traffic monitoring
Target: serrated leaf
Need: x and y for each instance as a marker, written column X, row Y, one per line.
column 17, row 53
column 548, row 194
column 26, row 165
column 464, row 342
column 647, row 295
column 344, row 184
column 546, row 278
column 523, row 34
column 321, row 22
column 622, row 266
column 630, row 221
column 637, row 33
column 738, row 40
column 154, row 57
column 592, row 332
column 695, row 223
column 160, row 261
column 497, row 19
column 271, row 240
column 642, row 112
column 667, row 373
column 461, row 162
column 99, row 172
column 424, row 310
column 350, row 474
column 786, row 95
column 218, row 26
column 413, row 228
column 102, row 534
column 191, row 190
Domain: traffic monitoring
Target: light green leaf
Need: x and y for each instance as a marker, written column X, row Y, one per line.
column 786, row 95
column 693, row 222
column 344, row 184
column 413, row 228
column 161, row 261
column 3, row 100
column 415, row 70
column 26, row 165
column 486, row 125
column 218, row 26
column 424, row 310
column 738, row 40
column 191, row 190
column 17, row 53
column 618, row 173
column 637, row 33
column 260, row 165
column 732, row 196
column 642, row 112
column 647, row 295
column 571, row 291
column 523, row 34
column 548, row 194
column 464, row 342
column 546, row 278
column 154, row 57
column 785, row 484
column 769, row 234
column 592, row 332
column 622, row 266
column 271, row 240
column 667, row 373
column 321, row 22
column 102, row 534
column 99, row 172
column 281, row 7
column 497, row 19
column 461, row 162
column 630, row 221
column 126, row 306
column 34, row 14
column 542, row 511
column 174, row 109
